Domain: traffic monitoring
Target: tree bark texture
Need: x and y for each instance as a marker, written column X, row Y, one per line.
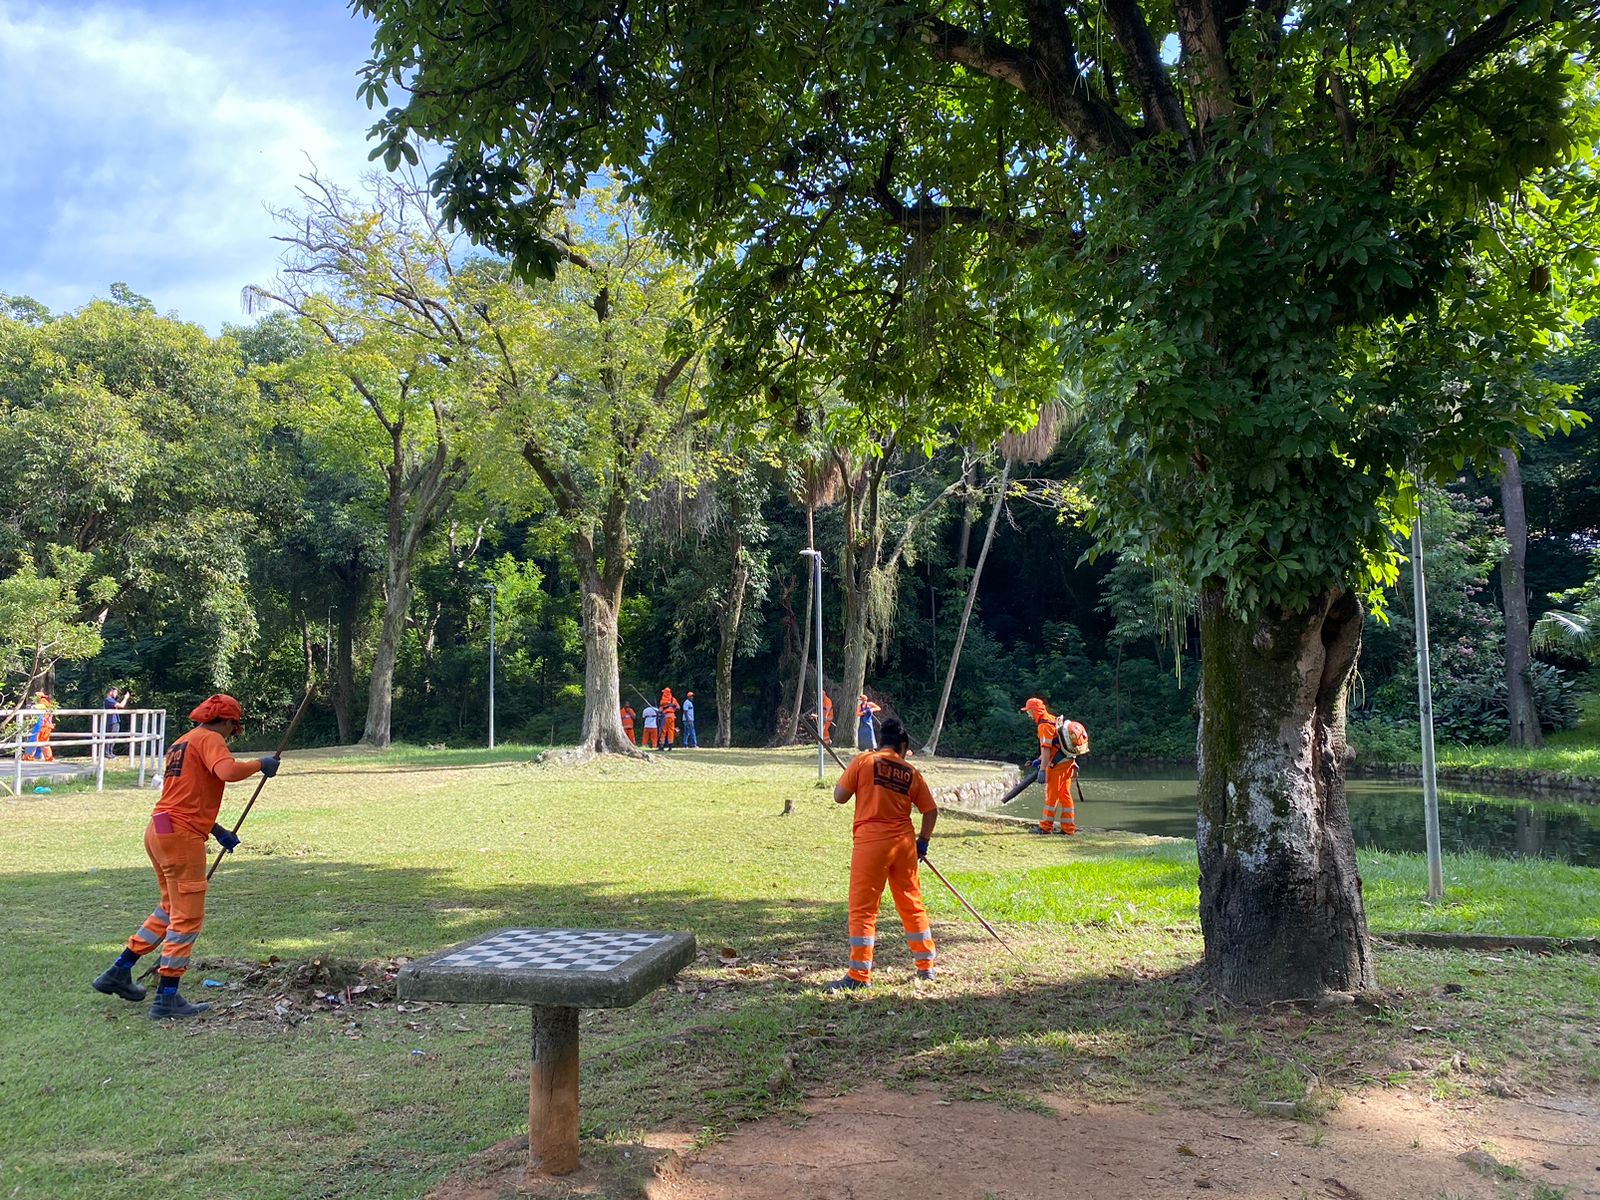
column 602, row 678
column 1280, row 895
column 380, row 691
column 1522, row 710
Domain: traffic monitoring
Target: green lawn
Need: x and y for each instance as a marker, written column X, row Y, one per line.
column 350, row 861
column 1574, row 752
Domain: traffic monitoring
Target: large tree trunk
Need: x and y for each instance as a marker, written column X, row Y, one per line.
column 852, row 679
column 417, row 497
column 932, row 746
column 602, row 679
column 1521, row 708
column 728, row 629
column 1280, row 895
column 380, row 692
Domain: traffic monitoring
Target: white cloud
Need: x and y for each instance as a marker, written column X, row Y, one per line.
column 145, row 145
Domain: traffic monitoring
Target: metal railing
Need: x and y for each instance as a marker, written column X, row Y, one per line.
column 142, row 738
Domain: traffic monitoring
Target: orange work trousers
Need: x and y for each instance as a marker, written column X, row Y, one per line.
column 872, row 864
column 627, row 732
column 179, row 858
column 1058, row 808
column 669, row 730
column 650, row 737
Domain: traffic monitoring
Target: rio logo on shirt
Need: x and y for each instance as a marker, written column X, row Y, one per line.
column 895, row 776
column 175, row 758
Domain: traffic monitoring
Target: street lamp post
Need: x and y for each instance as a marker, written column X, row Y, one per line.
column 491, row 589
column 816, row 590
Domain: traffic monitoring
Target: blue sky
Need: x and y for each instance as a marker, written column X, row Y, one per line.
column 145, row 138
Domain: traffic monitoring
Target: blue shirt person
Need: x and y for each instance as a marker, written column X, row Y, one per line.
column 689, row 738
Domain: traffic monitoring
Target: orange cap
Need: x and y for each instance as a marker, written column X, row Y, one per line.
column 220, row 707
column 1033, row 705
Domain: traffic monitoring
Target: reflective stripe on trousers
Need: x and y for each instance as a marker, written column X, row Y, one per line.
column 179, row 859
column 891, row 861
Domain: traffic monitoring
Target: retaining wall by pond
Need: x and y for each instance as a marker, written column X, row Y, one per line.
column 1506, row 777
column 978, row 795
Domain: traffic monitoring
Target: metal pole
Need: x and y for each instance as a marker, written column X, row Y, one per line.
column 1430, row 781
column 141, row 731
column 491, row 664
column 327, row 646
column 816, row 590
column 98, row 724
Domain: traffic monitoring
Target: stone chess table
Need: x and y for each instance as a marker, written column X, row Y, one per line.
column 555, row 972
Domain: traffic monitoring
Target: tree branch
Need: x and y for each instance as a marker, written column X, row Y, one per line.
column 1163, row 107
column 1047, row 71
column 1427, row 87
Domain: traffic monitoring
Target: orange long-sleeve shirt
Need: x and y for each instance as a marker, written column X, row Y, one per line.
column 198, row 766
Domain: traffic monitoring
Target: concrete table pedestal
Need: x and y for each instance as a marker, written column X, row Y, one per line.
column 555, row 972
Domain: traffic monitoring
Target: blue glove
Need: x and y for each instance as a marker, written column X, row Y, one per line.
column 1033, row 764
column 269, row 765
column 922, row 848
column 226, row 838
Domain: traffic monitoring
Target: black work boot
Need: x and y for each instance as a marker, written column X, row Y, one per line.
column 848, row 984
column 168, row 1006
column 118, row 981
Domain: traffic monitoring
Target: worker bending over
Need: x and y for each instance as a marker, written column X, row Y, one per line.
column 886, row 788
column 1060, row 743
column 197, row 768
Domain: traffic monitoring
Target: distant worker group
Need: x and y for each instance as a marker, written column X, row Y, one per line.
column 659, row 722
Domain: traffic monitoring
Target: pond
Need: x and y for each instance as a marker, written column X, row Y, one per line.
column 1386, row 814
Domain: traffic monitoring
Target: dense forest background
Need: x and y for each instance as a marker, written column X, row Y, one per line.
column 182, row 513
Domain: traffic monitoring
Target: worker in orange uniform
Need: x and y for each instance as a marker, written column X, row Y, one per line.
column 197, row 768
column 1060, row 743
column 627, row 722
column 886, row 788
column 669, row 718
column 39, row 738
column 827, row 719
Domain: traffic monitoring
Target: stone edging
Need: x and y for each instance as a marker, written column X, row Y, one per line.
column 1481, row 941
column 984, row 792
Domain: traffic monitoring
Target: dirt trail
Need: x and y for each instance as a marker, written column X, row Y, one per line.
column 878, row 1144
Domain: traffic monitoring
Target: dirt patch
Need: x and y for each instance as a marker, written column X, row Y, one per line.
column 609, row 1171
column 882, row 1144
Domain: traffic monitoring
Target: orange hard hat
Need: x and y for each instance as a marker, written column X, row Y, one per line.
column 220, row 707
column 1033, row 705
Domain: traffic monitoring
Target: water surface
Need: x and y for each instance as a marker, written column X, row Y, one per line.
column 1385, row 813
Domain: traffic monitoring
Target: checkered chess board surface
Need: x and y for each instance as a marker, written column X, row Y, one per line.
column 553, row 950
